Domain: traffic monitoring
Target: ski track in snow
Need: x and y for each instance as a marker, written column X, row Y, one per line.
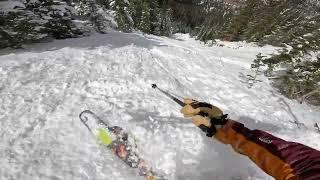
column 46, row 86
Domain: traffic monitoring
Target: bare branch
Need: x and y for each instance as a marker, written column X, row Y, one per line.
column 317, row 127
column 304, row 97
column 289, row 110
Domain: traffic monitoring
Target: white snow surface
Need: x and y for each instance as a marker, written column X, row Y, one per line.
column 8, row 6
column 44, row 87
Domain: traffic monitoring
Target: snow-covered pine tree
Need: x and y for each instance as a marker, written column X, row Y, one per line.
column 122, row 15
column 165, row 22
column 297, row 26
column 154, row 16
column 99, row 16
column 35, row 20
column 293, row 23
column 84, row 8
column 103, row 19
column 241, row 20
column 104, row 3
column 60, row 18
column 19, row 25
column 187, row 16
column 218, row 15
column 263, row 20
column 135, row 11
column 145, row 22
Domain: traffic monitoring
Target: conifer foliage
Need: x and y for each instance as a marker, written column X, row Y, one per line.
column 97, row 13
column 35, row 20
column 296, row 71
column 287, row 23
column 291, row 24
column 148, row 16
column 27, row 21
column 122, row 16
column 18, row 25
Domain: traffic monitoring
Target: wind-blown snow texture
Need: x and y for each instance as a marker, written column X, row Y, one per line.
column 46, row 86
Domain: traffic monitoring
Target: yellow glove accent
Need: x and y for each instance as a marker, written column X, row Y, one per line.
column 198, row 120
column 189, row 111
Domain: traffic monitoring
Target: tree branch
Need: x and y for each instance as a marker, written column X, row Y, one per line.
column 308, row 95
column 317, row 127
column 289, row 110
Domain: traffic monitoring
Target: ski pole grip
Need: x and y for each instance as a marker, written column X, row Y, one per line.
column 154, row 86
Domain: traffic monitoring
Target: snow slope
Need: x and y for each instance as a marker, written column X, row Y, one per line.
column 44, row 87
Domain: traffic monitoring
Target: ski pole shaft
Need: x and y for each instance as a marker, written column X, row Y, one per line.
column 175, row 99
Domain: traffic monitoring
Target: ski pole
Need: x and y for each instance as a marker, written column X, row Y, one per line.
column 175, row 99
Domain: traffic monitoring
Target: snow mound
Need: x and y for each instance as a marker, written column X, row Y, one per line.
column 46, row 86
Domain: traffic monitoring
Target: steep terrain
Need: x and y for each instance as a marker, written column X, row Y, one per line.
column 44, row 87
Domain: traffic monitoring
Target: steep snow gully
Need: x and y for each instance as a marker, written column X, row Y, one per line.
column 44, row 87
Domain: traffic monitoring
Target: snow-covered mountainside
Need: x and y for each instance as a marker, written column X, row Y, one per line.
column 44, row 88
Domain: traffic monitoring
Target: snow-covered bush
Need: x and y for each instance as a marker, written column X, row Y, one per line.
column 19, row 25
column 36, row 20
column 285, row 23
column 296, row 76
column 97, row 14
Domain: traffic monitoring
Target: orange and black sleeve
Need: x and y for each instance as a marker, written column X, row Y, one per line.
column 280, row 159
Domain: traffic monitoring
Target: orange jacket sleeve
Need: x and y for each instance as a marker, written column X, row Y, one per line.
column 280, row 159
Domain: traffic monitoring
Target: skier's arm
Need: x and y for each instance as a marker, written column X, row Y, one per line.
column 281, row 159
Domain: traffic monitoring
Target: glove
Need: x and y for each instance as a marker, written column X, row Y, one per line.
column 207, row 117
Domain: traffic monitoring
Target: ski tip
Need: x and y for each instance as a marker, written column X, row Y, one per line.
column 85, row 112
column 154, row 86
column 84, row 119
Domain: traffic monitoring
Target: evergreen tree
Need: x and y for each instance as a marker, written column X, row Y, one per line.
column 187, row 16
column 145, row 23
column 85, row 8
column 263, row 20
column 165, row 22
column 18, row 25
column 96, row 12
column 151, row 16
column 241, row 20
column 135, row 10
column 58, row 16
column 104, row 3
column 298, row 26
column 154, row 11
column 217, row 18
column 122, row 15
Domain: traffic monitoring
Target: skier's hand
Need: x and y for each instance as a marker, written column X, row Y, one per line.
column 204, row 115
